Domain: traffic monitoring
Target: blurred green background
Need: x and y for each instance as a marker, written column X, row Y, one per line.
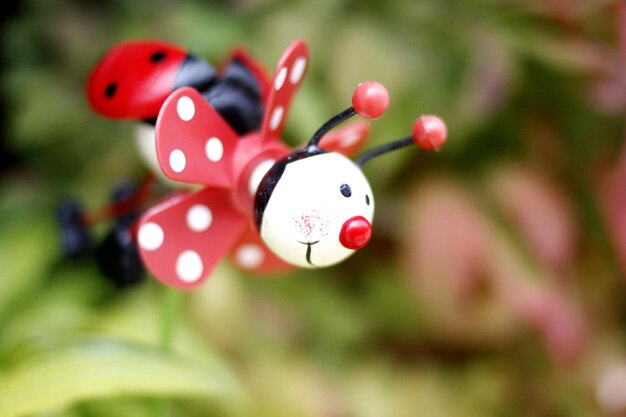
column 493, row 284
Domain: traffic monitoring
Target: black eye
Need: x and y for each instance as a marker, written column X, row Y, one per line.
column 367, row 199
column 345, row 189
column 157, row 57
column 110, row 90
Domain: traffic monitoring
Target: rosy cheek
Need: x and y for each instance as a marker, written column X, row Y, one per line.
column 310, row 225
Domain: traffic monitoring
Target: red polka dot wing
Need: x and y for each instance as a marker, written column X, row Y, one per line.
column 194, row 143
column 182, row 239
column 288, row 76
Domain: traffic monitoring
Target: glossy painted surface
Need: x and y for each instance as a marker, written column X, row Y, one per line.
column 429, row 132
column 304, row 217
column 370, row 99
column 134, row 78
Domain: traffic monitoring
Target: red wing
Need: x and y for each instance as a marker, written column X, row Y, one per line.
column 252, row 255
column 182, row 239
column 194, row 143
column 346, row 140
column 287, row 78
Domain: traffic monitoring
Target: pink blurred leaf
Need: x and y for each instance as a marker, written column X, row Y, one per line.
column 446, row 239
column 613, row 200
column 454, row 251
column 539, row 212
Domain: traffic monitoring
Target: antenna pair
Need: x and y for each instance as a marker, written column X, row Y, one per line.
column 370, row 100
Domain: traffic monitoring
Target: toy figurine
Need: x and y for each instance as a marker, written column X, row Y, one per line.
column 312, row 207
column 131, row 82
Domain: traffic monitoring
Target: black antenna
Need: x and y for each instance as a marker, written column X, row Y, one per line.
column 387, row 147
column 429, row 133
column 341, row 117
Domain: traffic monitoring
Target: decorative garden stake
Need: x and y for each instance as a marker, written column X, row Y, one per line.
column 312, row 206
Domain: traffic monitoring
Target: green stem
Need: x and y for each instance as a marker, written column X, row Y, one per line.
column 172, row 300
column 170, row 311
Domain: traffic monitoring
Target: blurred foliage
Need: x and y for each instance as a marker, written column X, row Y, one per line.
column 519, row 314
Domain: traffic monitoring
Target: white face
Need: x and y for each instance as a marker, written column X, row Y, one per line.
column 304, row 216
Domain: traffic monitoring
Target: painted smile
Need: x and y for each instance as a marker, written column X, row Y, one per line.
column 308, row 250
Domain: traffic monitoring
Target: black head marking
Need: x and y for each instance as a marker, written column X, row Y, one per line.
column 157, row 57
column 346, row 191
column 271, row 179
column 367, row 199
column 110, row 90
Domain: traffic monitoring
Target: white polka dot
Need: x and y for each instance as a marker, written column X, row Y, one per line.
column 258, row 174
column 214, row 149
column 250, row 256
column 349, row 140
column 150, row 236
column 185, row 108
column 280, row 78
column 199, row 218
column 297, row 71
column 277, row 117
column 178, row 161
column 189, row 266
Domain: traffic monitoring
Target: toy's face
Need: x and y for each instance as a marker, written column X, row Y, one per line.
column 317, row 203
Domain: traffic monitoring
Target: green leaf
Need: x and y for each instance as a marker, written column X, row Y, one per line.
column 27, row 251
column 55, row 374
column 65, row 303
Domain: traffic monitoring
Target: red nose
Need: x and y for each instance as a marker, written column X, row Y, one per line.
column 355, row 232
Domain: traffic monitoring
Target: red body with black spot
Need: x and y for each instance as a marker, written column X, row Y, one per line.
column 133, row 80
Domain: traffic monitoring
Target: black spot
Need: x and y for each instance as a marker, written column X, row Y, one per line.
column 367, row 199
column 110, row 90
column 345, row 189
column 157, row 57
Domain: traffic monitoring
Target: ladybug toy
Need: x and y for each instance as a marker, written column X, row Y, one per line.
column 131, row 82
column 261, row 201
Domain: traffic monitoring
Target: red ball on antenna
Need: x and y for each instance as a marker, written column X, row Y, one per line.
column 370, row 99
column 430, row 132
